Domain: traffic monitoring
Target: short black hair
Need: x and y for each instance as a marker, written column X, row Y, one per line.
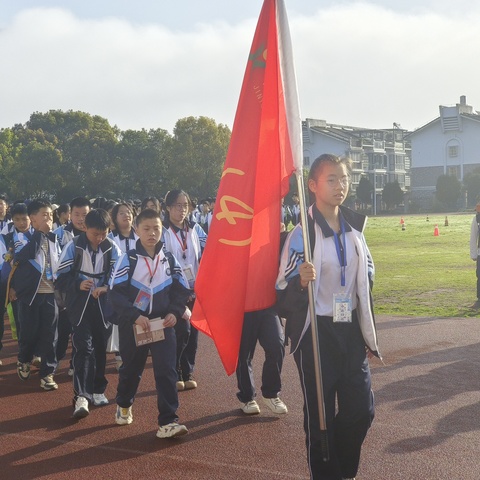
column 319, row 162
column 19, row 209
column 147, row 214
column 98, row 218
column 37, row 204
column 63, row 208
column 79, row 202
column 154, row 200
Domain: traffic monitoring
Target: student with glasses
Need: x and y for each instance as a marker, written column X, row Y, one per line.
column 186, row 241
column 342, row 273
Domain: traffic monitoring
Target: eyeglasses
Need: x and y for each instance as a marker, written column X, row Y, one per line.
column 180, row 206
column 332, row 181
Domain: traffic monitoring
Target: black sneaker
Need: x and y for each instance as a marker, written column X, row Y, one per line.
column 23, row 370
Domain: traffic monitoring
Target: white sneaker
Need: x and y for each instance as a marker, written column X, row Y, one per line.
column 99, row 399
column 251, row 408
column 36, row 362
column 81, row 408
column 48, row 383
column 171, row 430
column 275, row 405
column 124, row 416
column 180, row 385
column 190, row 383
column 70, row 372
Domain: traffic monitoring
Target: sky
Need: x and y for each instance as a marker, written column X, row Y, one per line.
column 148, row 63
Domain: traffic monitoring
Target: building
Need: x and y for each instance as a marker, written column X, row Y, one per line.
column 382, row 155
column 448, row 145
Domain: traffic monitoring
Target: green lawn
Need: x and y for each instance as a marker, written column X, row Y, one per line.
column 420, row 274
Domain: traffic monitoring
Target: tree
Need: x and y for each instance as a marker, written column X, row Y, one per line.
column 392, row 194
column 199, row 148
column 472, row 186
column 364, row 190
column 144, row 155
column 448, row 190
column 36, row 171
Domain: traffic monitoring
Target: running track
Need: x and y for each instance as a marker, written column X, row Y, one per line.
column 427, row 424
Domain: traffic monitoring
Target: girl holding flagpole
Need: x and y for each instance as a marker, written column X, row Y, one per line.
column 342, row 272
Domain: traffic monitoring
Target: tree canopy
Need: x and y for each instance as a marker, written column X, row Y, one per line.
column 392, row 194
column 364, row 190
column 448, row 190
column 65, row 154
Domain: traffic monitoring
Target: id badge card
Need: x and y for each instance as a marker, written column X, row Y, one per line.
column 143, row 299
column 342, row 307
column 188, row 272
column 48, row 273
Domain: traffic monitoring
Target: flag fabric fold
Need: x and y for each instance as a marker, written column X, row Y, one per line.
column 240, row 262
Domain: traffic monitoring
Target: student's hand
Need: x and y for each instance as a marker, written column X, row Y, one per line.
column 187, row 314
column 99, row 291
column 12, row 295
column 307, row 273
column 170, row 320
column 143, row 322
column 86, row 285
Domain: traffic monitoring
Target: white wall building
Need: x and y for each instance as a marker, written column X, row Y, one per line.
column 382, row 155
column 448, row 145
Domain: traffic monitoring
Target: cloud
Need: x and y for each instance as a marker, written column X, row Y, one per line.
column 357, row 64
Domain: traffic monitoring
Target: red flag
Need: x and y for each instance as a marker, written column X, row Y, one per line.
column 240, row 262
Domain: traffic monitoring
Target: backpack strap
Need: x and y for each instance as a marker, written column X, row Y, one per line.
column 79, row 257
column 132, row 260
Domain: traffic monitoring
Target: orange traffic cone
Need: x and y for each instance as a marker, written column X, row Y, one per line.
column 402, row 221
column 436, row 233
column 446, row 221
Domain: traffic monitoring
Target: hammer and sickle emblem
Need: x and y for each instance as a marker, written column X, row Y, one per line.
column 232, row 216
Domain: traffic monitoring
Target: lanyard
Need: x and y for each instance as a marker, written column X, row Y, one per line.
column 183, row 242
column 341, row 252
column 150, row 270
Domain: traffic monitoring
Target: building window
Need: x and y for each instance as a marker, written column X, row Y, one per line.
column 453, row 151
column 453, row 171
column 306, row 161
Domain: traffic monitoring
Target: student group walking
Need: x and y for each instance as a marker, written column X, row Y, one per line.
column 118, row 278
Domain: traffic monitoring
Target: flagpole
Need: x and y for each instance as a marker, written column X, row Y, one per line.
column 313, row 321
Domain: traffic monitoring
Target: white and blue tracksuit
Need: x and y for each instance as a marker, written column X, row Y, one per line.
column 187, row 246
column 159, row 280
column 87, row 315
column 37, row 312
column 349, row 406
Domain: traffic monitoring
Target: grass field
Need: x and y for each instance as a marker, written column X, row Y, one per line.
column 420, row 274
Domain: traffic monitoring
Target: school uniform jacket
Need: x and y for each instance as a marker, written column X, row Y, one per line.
column 474, row 237
column 292, row 299
column 195, row 242
column 121, row 241
column 13, row 242
column 68, row 279
column 65, row 233
column 31, row 264
column 167, row 288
